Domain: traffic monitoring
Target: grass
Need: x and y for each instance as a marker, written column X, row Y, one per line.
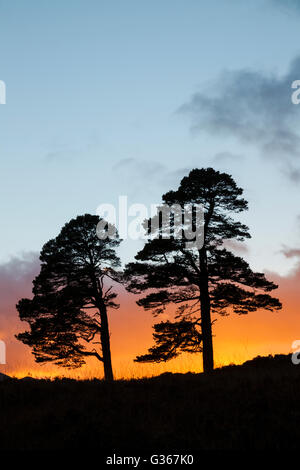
column 249, row 407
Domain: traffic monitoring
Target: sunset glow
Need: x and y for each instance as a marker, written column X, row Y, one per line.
column 237, row 338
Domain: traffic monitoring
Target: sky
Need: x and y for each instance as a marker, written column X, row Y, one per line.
column 123, row 98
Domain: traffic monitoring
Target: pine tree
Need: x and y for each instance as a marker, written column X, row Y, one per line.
column 200, row 282
column 68, row 312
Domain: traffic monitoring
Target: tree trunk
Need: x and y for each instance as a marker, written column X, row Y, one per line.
column 208, row 355
column 207, row 342
column 105, row 343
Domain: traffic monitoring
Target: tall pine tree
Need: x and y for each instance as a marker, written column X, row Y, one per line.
column 200, row 282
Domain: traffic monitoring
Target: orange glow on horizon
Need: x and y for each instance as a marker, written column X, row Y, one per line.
column 237, row 338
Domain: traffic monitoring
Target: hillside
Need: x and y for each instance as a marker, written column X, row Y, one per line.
column 4, row 377
column 253, row 406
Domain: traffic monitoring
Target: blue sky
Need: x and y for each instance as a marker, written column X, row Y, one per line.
column 107, row 98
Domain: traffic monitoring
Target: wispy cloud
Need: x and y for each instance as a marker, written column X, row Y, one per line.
column 255, row 108
column 227, row 156
column 291, row 252
column 140, row 168
column 292, row 173
column 155, row 173
column 287, row 4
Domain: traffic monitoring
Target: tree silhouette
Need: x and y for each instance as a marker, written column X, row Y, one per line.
column 68, row 312
column 200, row 281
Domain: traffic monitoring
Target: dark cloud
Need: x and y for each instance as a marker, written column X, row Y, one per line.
column 16, row 278
column 287, row 4
column 292, row 173
column 255, row 108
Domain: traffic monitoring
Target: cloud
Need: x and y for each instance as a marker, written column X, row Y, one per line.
column 140, row 168
column 255, row 108
column 291, row 252
column 16, row 278
column 287, row 4
column 155, row 173
column 292, row 173
column 289, row 284
column 226, row 156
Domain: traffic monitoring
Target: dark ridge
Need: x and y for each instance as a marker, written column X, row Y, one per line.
column 254, row 406
column 4, row 377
